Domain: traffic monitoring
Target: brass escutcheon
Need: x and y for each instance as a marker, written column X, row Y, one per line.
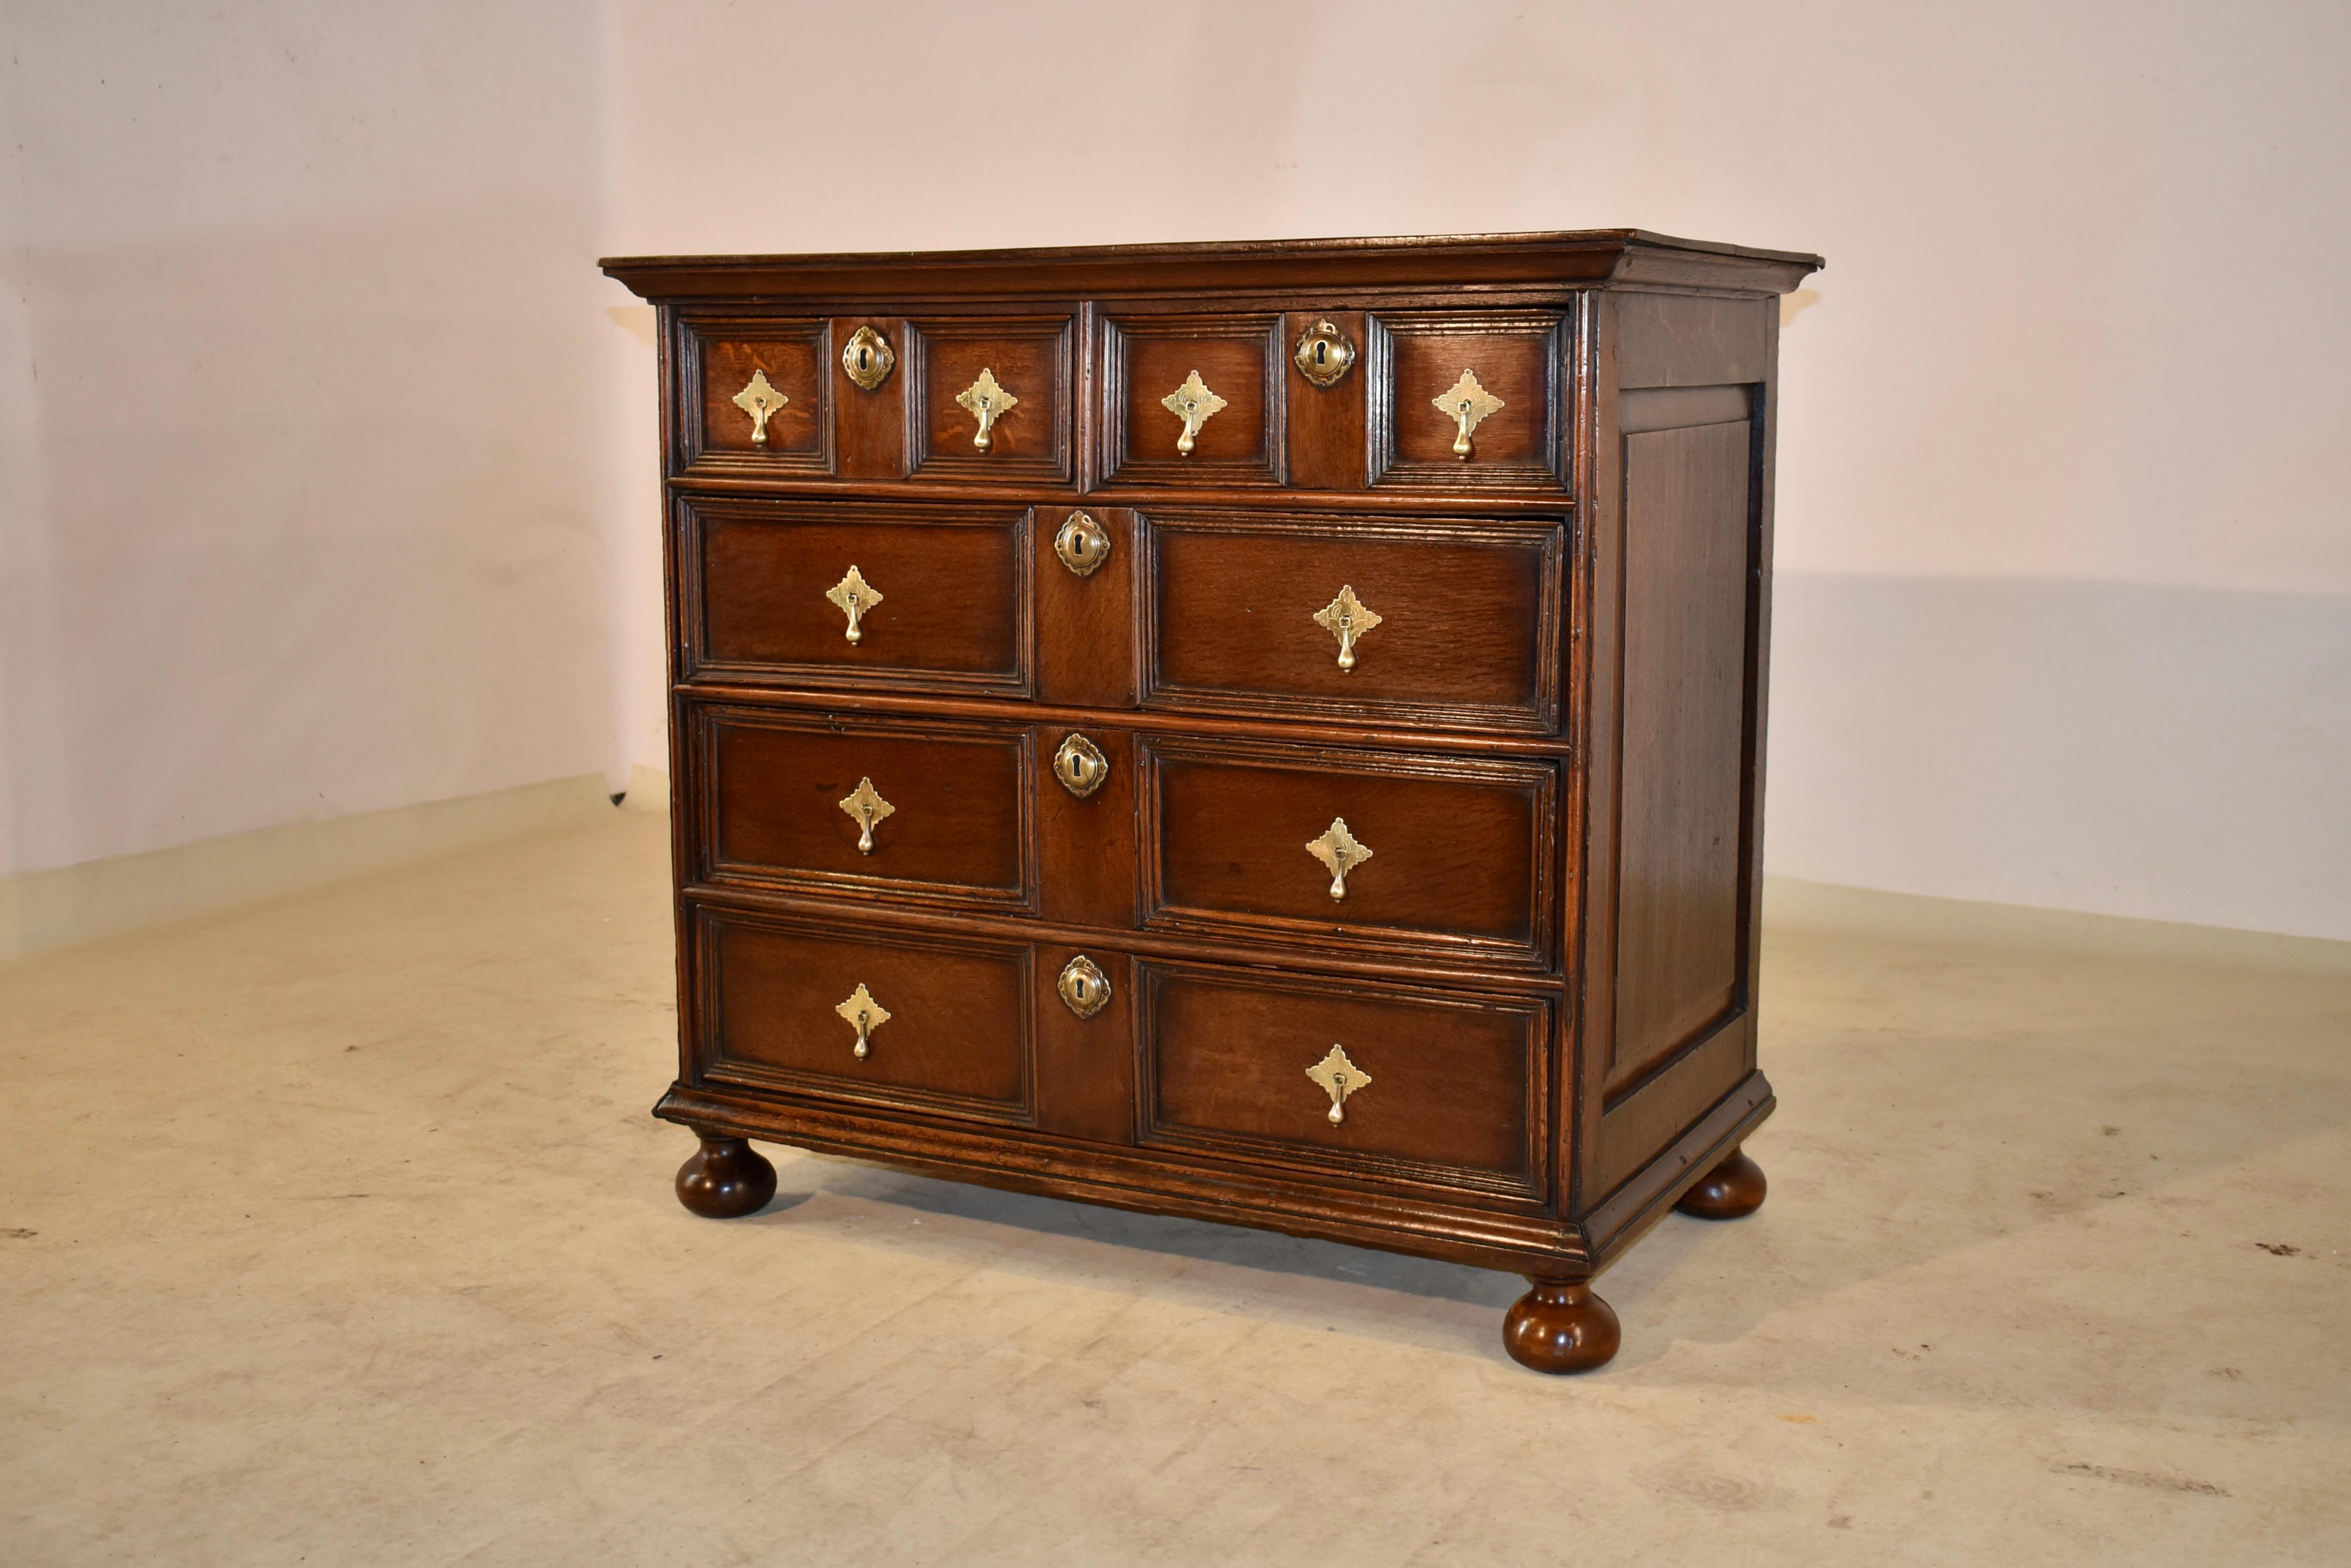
column 1339, row 852
column 1080, row 765
column 1466, row 404
column 1339, row 1078
column 1347, row 618
column 855, row 595
column 760, row 400
column 1084, row 989
column 866, row 807
column 865, row 1015
column 867, row 358
column 1193, row 404
column 1083, row 544
column 1324, row 355
column 987, row 402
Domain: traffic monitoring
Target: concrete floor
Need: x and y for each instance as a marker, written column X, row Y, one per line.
column 334, row 1230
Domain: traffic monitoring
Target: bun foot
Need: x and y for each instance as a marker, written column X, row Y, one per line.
column 726, row 1178
column 1561, row 1328
column 1732, row 1190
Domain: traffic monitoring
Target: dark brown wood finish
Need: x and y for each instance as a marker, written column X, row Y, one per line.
column 1544, row 975
column 953, row 614
column 958, row 829
column 1143, row 360
column 1518, row 357
column 1468, row 636
column 1460, row 848
column 1454, row 1084
column 1030, row 357
column 957, row 1041
column 721, row 356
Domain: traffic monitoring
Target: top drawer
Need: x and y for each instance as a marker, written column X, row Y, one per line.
column 1464, row 400
column 960, row 399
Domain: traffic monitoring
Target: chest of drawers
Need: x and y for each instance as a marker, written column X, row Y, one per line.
column 1268, row 733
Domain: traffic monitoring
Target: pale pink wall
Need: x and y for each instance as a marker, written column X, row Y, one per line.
column 2065, row 569
column 305, row 413
column 2064, row 557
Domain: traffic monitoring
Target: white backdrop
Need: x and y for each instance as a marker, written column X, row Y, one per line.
column 2065, row 611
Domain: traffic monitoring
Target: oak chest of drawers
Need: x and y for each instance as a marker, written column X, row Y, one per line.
column 1270, row 732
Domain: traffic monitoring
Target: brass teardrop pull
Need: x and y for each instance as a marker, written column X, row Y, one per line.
column 1466, row 404
column 864, row 1014
column 1339, row 1078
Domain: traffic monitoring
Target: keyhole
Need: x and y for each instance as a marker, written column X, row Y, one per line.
column 864, row 357
column 1321, row 353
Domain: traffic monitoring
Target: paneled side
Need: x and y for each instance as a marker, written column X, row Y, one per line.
column 1679, row 904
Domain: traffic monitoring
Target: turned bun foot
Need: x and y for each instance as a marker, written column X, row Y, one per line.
column 1730, row 1190
column 726, row 1178
column 1561, row 1328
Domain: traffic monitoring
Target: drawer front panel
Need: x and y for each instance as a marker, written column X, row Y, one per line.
column 1030, row 360
column 1517, row 358
column 1226, row 368
column 958, row 1038
column 781, row 367
column 1441, row 1088
column 944, row 594
column 1467, row 637
column 1460, row 848
column 809, row 802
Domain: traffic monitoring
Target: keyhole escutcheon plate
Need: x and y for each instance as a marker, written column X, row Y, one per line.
column 1324, row 354
column 867, row 358
column 1083, row 988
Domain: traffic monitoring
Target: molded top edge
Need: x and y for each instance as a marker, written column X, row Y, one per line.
column 1580, row 257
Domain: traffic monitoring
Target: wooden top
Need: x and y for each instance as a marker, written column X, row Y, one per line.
column 1583, row 258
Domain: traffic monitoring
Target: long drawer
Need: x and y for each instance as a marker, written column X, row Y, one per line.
column 1314, row 844
column 848, row 594
column 1436, row 621
column 815, row 803
column 1376, row 1080
column 1315, row 394
column 928, row 1023
column 1300, row 1072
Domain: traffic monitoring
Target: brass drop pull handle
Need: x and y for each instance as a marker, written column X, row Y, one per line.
column 1340, row 854
column 987, row 402
column 866, row 808
column 1466, row 404
column 855, row 595
column 1347, row 618
column 864, row 1014
column 1193, row 404
column 762, row 402
column 1339, row 1078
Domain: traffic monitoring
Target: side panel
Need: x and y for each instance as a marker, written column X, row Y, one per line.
column 1686, row 564
column 1689, row 432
